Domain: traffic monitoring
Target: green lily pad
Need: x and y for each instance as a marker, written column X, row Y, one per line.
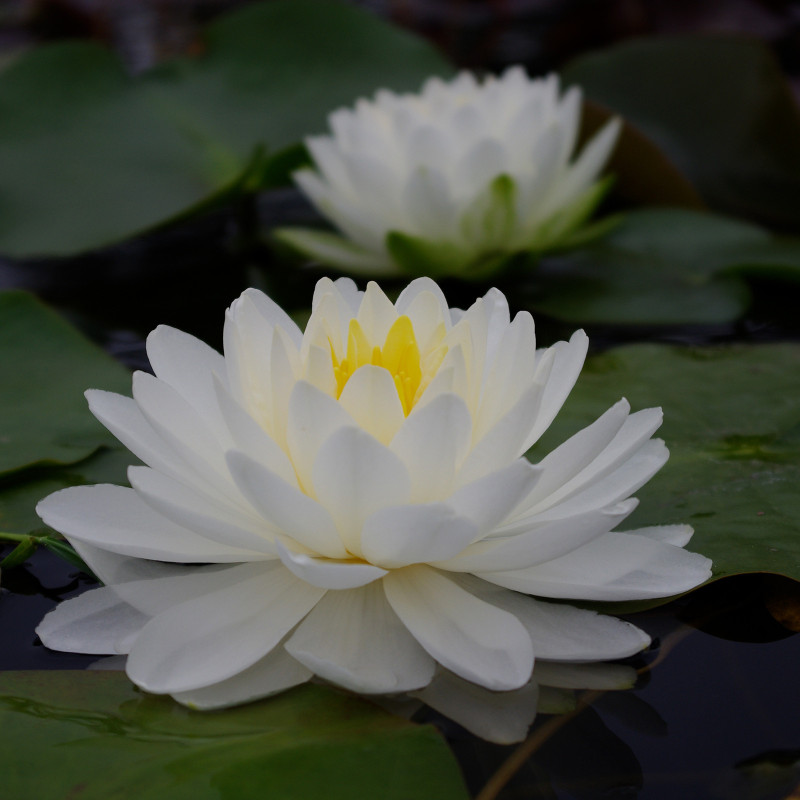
column 732, row 423
column 719, row 107
column 93, row 735
column 47, row 366
column 90, row 156
column 657, row 267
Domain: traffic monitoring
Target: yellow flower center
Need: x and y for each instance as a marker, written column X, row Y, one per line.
column 400, row 356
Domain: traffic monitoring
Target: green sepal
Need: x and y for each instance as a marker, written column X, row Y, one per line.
column 22, row 552
column 332, row 250
column 417, row 256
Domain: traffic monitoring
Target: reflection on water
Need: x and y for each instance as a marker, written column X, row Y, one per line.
column 714, row 713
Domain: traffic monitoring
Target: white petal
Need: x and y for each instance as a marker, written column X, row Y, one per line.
column 226, row 524
column 214, row 637
column 563, row 632
column 499, row 717
column 432, row 444
column 504, row 441
column 615, row 566
column 679, row 535
column 188, row 365
column 355, row 640
column 370, row 397
column 567, row 361
column 428, row 204
column 376, row 315
column 93, row 622
column 354, row 476
column 313, row 417
column 184, row 431
column 274, row 314
column 294, row 513
column 327, row 573
column 540, row 542
column 477, row 641
column 274, row 673
column 489, row 500
column 249, row 437
column 115, row 518
column 406, row 300
column 396, row 537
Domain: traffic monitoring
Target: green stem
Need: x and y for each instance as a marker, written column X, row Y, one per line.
column 15, row 537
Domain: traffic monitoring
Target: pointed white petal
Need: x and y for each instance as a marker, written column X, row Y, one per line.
column 678, row 535
column 93, row 622
column 291, row 511
column 226, row 524
column 370, row 397
column 432, row 444
column 355, row 476
column 614, row 566
column 412, row 534
column 328, row 573
column 477, row 641
column 115, row 518
column 274, row 673
column 214, row 637
column 354, row 639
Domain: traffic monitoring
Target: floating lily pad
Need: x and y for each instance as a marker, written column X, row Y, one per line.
column 719, row 107
column 732, row 423
column 660, row 266
column 93, row 735
column 90, row 156
column 47, row 366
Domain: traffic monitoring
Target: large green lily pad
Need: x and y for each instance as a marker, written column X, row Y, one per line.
column 719, row 107
column 661, row 266
column 47, row 366
column 732, row 423
column 93, row 735
column 90, row 156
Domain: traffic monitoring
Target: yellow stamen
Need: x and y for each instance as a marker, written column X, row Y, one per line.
column 399, row 355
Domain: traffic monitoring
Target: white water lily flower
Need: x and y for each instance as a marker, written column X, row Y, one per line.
column 455, row 179
column 352, row 502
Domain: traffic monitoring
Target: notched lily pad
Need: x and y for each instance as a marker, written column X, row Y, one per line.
column 103, row 739
column 47, row 366
column 657, row 267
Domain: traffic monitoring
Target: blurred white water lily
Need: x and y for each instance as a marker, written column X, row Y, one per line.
column 455, row 179
column 352, row 502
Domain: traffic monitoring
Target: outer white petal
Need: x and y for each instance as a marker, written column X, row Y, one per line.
column 216, row 636
column 678, row 535
column 477, row 641
column 540, row 542
column 432, row 444
column 564, row 632
column 274, row 314
column 328, row 573
column 354, row 476
column 93, row 622
column 401, row 535
column 249, row 437
column 567, row 361
column 354, row 639
column 226, row 524
column 615, row 566
column 274, row 673
column 489, row 500
column 504, row 441
column 499, row 717
column 188, row 365
column 287, row 508
column 115, row 518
